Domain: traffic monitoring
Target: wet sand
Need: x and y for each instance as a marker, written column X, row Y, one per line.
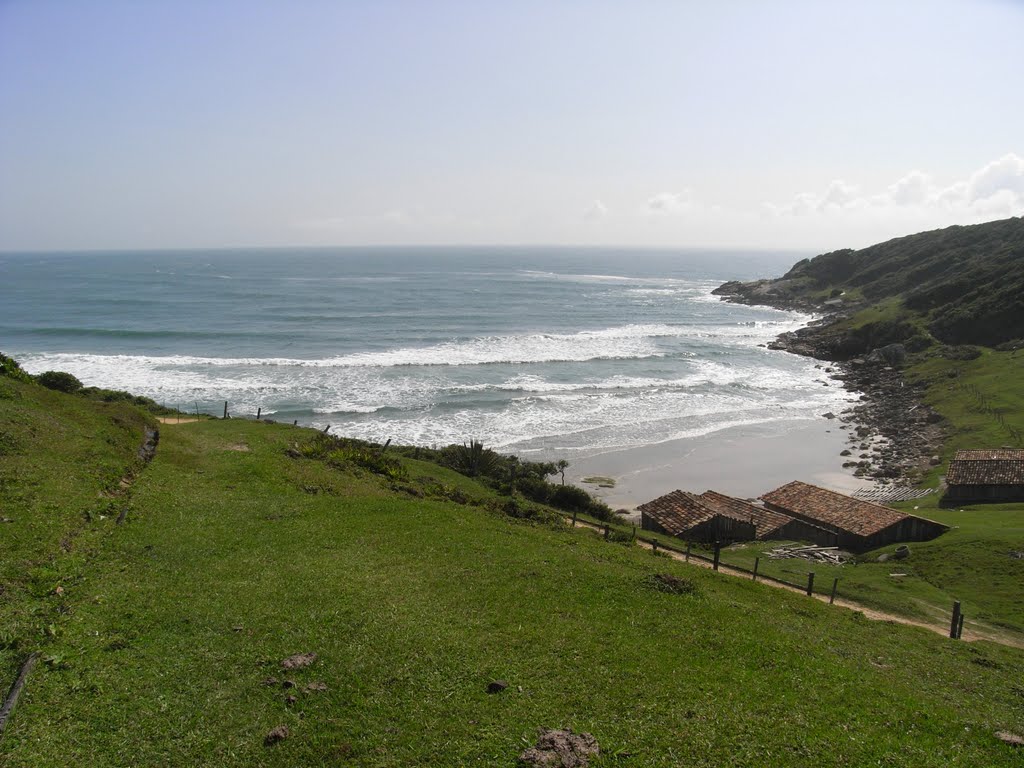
column 740, row 461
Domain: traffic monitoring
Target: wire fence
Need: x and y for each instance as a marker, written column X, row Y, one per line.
column 699, row 553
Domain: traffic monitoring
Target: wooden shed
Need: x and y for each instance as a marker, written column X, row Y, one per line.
column 683, row 515
column 768, row 523
column 983, row 475
column 859, row 525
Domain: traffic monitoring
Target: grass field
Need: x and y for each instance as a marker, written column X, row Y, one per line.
column 234, row 555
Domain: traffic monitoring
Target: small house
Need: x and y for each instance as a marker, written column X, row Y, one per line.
column 685, row 516
column 857, row 524
column 995, row 476
column 769, row 524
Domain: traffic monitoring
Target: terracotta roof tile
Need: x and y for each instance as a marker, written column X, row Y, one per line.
column 766, row 521
column 862, row 518
column 998, row 467
column 677, row 512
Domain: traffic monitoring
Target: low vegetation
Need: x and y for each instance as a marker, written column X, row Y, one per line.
column 965, row 285
column 404, row 590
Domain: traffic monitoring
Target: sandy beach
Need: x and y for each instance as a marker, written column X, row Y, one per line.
column 741, row 461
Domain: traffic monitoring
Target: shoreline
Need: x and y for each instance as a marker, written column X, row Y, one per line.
column 743, row 461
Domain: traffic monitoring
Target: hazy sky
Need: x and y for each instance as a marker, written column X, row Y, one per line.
column 814, row 125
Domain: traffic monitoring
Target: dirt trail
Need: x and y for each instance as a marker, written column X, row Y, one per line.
column 970, row 634
column 177, row 419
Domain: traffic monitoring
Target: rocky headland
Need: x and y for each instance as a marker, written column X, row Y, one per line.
column 884, row 309
column 893, row 435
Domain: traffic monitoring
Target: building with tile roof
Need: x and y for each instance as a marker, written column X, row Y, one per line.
column 986, row 475
column 769, row 524
column 685, row 516
column 858, row 525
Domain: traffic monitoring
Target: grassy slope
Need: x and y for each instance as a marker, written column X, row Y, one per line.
column 61, row 462
column 971, row 562
column 982, row 401
column 229, row 563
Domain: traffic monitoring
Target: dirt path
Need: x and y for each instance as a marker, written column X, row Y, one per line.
column 970, row 634
column 177, row 419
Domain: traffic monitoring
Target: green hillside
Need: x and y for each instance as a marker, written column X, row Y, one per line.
column 959, row 285
column 242, row 545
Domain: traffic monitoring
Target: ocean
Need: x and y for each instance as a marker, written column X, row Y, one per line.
column 543, row 352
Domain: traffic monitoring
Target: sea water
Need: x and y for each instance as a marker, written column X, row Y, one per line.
column 543, row 352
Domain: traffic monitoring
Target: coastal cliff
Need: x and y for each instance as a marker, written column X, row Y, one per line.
column 887, row 309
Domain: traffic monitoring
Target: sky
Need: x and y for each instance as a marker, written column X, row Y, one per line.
column 731, row 124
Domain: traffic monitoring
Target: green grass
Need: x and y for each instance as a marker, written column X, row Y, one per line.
column 231, row 560
column 970, row 563
column 61, row 462
column 981, row 399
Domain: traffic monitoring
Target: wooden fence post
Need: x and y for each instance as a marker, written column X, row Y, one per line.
column 718, row 554
column 607, row 531
column 634, row 533
column 654, row 546
column 295, row 423
column 258, row 412
column 954, row 624
column 757, row 562
column 810, row 583
column 835, row 585
column 225, row 409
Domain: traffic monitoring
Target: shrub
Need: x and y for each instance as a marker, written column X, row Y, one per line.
column 9, row 367
column 340, row 452
column 570, row 498
column 529, row 512
column 60, row 381
column 573, row 499
column 471, row 459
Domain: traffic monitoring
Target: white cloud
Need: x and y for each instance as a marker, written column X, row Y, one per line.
column 838, row 195
column 1003, row 175
column 912, row 189
column 670, row 202
column 597, row 210
column 995, row 190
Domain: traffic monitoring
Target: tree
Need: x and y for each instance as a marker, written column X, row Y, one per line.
column 561, row 465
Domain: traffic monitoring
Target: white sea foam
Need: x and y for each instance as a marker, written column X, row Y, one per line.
column 679, row 366
column 636, row 341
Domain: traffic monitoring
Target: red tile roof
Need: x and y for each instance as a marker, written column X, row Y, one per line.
column 861, row 518
column 766, row 521
column 677, row 512
column 999, row 467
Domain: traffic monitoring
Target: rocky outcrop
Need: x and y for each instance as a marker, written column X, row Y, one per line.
column 894, row 435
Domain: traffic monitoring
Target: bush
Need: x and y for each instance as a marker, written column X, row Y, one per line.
column 528, row 512
column 9, row 367
column 570, row 498
column 573, row 499
column 340, row 453
column 59, row 381
column 471, row 459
